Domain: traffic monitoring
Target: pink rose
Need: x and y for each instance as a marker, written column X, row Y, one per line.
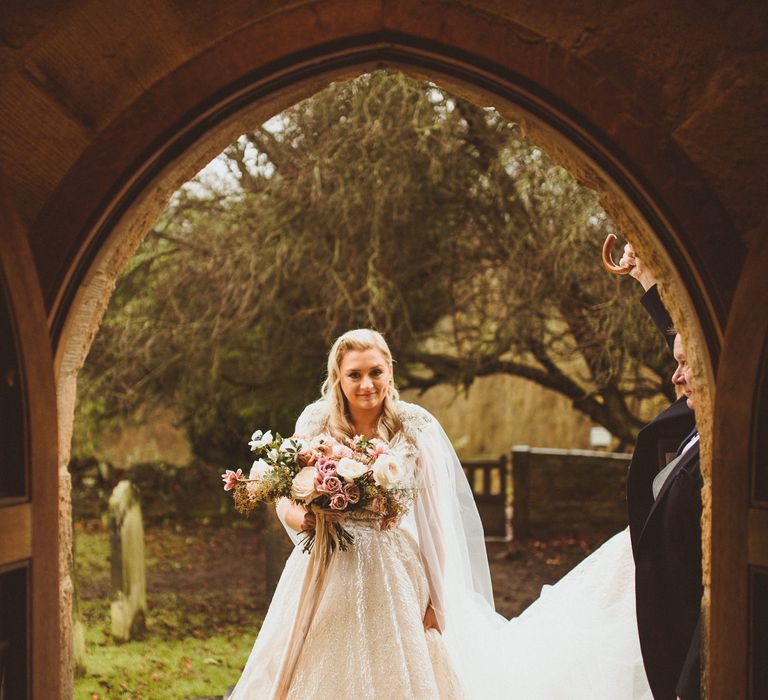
column 231, row 478
column 339, row 501
column 352, row 492
column 329, row 485
column 325, row 467
column 308, row 457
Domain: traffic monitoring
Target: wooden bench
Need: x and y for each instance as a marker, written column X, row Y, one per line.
column 490, row 481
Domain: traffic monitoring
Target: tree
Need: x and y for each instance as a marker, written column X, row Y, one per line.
column 382, row 202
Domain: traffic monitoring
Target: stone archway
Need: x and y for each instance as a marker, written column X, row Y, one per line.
column 109, row 188
column 589, row 160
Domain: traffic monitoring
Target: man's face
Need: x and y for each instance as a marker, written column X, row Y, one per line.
column 683, row 376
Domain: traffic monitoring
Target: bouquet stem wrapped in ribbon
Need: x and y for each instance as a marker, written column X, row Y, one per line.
column 333, row 536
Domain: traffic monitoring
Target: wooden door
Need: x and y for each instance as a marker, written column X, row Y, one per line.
column 29, row 525
column 738, row 631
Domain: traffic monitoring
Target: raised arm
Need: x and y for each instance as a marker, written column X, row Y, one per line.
column 651, row 300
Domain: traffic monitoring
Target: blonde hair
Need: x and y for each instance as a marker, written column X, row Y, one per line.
column 339, row 420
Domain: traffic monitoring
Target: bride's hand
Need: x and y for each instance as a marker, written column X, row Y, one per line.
column 299, row 519
column 430, row 620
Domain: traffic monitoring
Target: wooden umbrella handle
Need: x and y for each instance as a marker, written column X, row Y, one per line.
column 610, row 241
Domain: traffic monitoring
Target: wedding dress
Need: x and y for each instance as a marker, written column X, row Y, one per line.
column 366, row 640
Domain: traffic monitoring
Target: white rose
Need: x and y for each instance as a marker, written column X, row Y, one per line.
column 388, row 472
column 259, row 439
column 259, row 468
column 350, row 469
column 303, row 486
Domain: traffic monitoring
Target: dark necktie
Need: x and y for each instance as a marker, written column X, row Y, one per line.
column 688, row 438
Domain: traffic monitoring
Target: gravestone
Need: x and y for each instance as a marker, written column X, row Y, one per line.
column 129, row 587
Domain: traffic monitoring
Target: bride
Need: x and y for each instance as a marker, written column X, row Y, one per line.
column 407, row 610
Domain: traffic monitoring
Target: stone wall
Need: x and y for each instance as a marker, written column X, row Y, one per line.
column 564, row 492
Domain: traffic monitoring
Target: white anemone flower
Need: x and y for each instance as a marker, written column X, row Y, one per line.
column 259, row 440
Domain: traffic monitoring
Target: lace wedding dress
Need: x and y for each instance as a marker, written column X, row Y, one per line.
column 367, row 641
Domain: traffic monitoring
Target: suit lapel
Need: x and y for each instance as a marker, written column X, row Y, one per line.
column 686, row 459
column 662, row 435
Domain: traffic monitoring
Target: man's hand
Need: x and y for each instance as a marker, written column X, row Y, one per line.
column 639, row 271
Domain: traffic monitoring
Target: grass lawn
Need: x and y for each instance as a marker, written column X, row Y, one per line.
column 204, row 613
column 206, row 600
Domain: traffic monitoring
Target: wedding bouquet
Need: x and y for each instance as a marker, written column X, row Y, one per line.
column 328, row 477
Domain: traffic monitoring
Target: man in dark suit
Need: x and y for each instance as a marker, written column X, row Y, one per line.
column 664, row 502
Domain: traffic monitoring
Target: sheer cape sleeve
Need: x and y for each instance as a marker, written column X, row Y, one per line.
column 450, row 534
column 452, row 549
